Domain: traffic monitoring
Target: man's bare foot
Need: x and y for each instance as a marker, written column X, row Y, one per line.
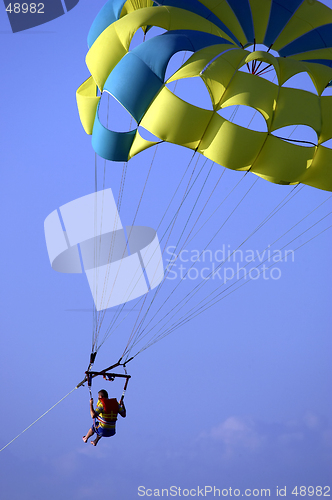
column 94, row 443
column 85, row 439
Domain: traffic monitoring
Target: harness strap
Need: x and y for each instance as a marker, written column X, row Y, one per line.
column 89, row 380
column 126, row 383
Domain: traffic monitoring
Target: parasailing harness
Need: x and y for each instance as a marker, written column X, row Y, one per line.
column 106, row 373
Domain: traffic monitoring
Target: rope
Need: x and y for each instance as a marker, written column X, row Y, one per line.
column 184, row 319
column 101, row 314
column 111, row 325
column 171, row 229
column 41, row 416
column 111, row 328
column 195, row 311
column 193, row 292
column 138, row 207
column 139, row 333
column 136, row 330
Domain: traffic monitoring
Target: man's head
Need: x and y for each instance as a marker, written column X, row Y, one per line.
column 103, row 394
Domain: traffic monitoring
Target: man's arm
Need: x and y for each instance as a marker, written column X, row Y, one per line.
column 122, row 409
column 92, row 412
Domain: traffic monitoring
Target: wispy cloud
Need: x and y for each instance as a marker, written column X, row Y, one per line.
column 235, row 433
column 243, row 434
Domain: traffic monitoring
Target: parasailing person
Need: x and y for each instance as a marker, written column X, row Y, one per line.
column 105, row 416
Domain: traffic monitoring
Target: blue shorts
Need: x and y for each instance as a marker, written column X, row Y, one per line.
column 102, row 431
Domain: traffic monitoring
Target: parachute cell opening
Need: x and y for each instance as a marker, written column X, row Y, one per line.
column 301, row 81
column 244, row 116
column 113, row 115
column 297, row 134
column 192, row 90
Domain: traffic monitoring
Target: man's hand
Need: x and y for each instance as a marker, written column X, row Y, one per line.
column 123, row 412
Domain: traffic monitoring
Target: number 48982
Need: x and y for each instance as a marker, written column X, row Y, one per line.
column 32, row 8
column 310, row 491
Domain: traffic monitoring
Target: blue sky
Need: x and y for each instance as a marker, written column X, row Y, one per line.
column 240, row 397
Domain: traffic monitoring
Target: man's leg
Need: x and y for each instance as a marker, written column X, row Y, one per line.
column 88, row 435
column 95, row 441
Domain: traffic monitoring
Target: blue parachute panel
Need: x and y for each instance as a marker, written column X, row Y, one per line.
column 157, row 52
column 242, row 10
column 133, row 84
column 319, row 38
column 280, row 14
column 113, row 146
column 107, row 15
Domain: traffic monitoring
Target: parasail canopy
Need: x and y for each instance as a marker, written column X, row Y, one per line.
column 218, row 34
